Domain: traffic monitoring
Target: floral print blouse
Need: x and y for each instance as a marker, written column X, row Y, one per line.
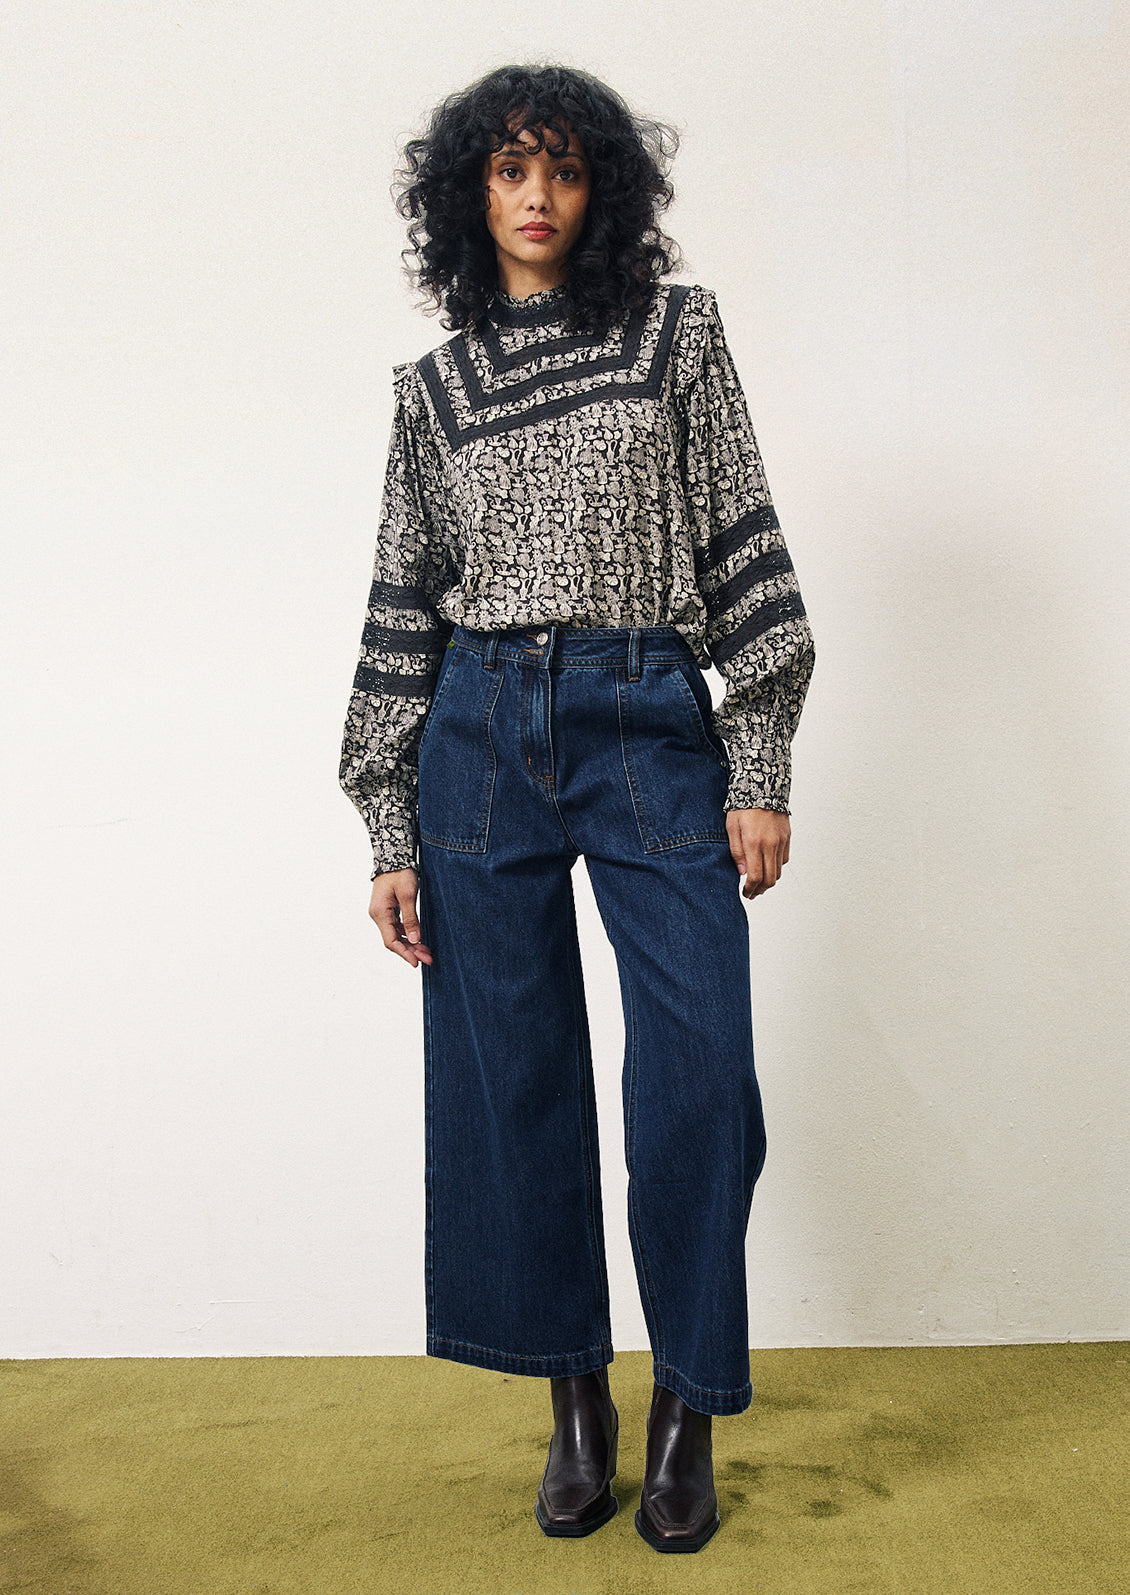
column 538, row 478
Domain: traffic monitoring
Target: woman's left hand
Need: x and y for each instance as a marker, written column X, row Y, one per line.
column 759, row 845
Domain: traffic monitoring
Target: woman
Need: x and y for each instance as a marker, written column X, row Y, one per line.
column 575, row 520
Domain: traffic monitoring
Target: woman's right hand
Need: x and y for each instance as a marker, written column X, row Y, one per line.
column 392, row 908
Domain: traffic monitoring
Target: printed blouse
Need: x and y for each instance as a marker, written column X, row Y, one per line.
column 538, row 478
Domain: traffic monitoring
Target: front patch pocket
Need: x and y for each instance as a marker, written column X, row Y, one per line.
column 457, row 760
column 676, row 772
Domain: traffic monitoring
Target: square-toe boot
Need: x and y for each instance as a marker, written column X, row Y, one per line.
column 678, row 1508
column 575, row 1495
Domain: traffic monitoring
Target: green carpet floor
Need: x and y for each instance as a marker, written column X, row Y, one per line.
column 879, row 1471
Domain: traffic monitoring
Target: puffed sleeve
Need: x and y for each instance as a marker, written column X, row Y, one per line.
column 404, row 635
column 757, row 632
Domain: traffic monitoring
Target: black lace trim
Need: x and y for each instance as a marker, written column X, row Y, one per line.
column 759, row 521
column 396, row 685
column 621, row 359
column 775, row 613
column 394, row 639
column 537, row 310
column 646, row 387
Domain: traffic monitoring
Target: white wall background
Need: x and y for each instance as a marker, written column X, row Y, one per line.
column 914, row 217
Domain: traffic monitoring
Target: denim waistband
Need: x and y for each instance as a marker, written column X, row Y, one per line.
column 577, row 646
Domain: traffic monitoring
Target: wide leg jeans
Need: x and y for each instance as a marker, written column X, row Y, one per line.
column 539, row 746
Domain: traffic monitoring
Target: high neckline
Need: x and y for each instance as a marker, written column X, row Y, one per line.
column 532, row 311
column 541, row 297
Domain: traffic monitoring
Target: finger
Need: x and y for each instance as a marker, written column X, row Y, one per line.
column 383, row 911
column 408, row 916
column 758, row 882
column 385, row 914
column 412, row 952
column 754, row 875
column 394, row 916
column 772, row 866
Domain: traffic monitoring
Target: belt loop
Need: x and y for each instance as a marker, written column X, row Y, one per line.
column 490, row 651
column 634, row 654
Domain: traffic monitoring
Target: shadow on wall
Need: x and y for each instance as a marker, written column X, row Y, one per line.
column 952, row 1148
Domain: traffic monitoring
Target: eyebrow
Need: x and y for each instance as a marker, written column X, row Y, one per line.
column 521, row 150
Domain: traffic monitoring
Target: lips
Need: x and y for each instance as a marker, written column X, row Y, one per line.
column 537, row 231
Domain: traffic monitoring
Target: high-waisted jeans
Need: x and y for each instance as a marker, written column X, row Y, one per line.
column 541, row 745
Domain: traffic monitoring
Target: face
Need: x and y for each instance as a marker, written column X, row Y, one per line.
column 536, row 205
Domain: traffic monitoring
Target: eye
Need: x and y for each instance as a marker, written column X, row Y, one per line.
column 503, row 170
column 570, row 173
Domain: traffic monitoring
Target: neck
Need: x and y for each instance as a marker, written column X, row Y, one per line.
column 520, row 281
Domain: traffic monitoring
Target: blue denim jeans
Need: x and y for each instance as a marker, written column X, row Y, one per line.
column 540, row 746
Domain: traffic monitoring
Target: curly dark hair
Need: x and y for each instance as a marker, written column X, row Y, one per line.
column 620, row 254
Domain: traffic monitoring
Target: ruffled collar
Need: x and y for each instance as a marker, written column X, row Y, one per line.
column 534, row 310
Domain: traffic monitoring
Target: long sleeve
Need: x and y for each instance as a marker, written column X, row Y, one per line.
column 403, row 639
column 757, row 633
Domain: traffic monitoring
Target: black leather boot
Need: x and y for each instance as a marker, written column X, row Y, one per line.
column 678, row 1508
column 575, row 1495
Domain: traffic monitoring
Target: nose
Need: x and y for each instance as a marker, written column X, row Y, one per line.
column 538, row 193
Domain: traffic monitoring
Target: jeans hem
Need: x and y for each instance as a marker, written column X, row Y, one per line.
column 558, row 1365
column 720, row 1403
